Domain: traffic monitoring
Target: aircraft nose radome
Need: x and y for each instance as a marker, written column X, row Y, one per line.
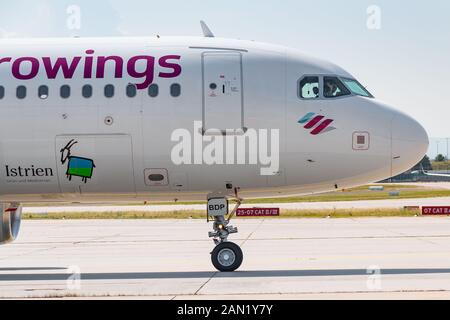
column 409, row 143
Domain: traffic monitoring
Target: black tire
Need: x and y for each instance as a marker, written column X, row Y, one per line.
column 227, row 251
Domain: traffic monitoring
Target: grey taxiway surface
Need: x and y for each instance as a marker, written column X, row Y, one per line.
column 284, row 259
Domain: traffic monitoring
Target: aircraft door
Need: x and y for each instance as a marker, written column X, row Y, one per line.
column 223, row 99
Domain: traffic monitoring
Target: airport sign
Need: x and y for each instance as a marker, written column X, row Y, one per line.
column 258, row 212
column 430, row 211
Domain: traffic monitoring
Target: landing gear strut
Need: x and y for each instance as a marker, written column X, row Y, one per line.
column 226, row 256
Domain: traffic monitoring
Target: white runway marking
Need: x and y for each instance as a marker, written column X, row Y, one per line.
column 292, row 259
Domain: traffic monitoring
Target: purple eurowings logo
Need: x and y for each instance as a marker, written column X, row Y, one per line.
column 318, row 124
column 89, row 65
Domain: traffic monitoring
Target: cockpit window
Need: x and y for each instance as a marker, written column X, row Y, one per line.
column 356, row 88
column 309, row 88
column 333, row 87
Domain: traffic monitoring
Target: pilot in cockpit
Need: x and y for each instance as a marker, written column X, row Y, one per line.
column 331, row 89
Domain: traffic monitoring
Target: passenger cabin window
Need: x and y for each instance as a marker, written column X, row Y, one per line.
column 86, row 91
column 309, row 88
column 2, row 92
column 356, row 88
column 43, row 92
column 21, row 92
column 175, row 90
column 333, row 88
column 131, row 91
column 109, row 91
column 153, row 90
column 65, row 92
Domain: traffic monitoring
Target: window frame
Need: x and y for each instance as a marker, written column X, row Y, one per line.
column 369, row 95
column 350, row 94
column 135, row 92
column 153, row 85
column 17, row 92
column 69, row 88
column 171, row 87
column 321, row 96
column 39, row 93
column 113, row 91
column 91, row 88
column 299, row 81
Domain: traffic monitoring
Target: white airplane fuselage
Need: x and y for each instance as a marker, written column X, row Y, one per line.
column 57, row 145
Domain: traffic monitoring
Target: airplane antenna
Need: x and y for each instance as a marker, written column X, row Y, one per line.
column 206, row 31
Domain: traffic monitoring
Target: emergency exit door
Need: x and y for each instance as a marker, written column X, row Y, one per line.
column 223, row 98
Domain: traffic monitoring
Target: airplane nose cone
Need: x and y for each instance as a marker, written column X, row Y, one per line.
column 409, row 143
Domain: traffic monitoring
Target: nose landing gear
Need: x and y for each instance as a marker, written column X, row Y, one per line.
column 226, row 256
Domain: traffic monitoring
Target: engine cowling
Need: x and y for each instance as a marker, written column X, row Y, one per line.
column 10, row 219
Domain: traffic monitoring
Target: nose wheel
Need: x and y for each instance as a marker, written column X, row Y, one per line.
column 226, row 256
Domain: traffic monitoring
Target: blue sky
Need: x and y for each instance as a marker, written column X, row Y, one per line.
column 406, row 63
